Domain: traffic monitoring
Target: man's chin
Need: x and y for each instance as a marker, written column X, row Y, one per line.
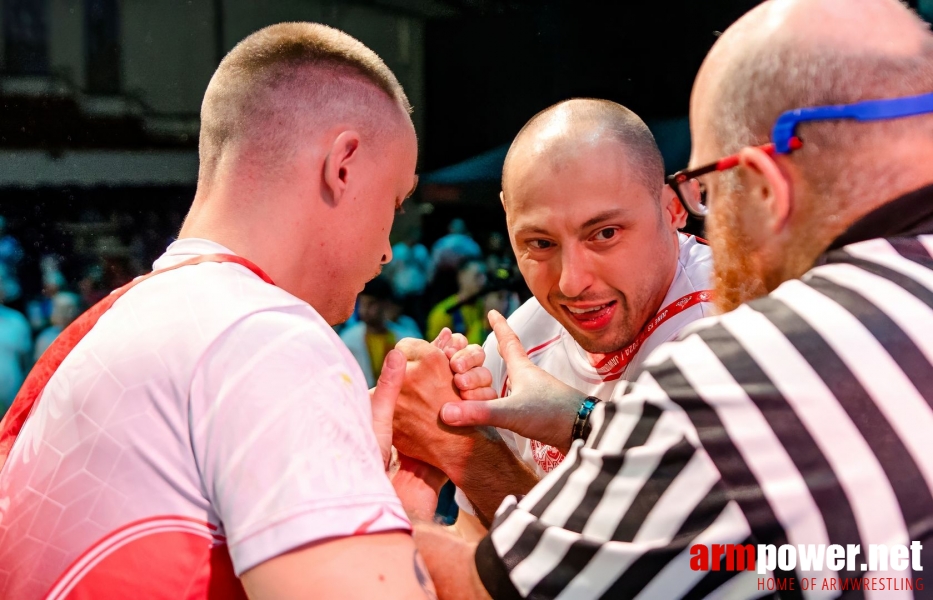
column 604, row 342
column 339, row 316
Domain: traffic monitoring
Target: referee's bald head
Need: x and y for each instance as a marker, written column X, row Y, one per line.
column 288, row 83
column 773, row 216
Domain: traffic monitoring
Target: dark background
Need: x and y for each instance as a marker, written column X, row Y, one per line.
column 489, row 65
column 490, row 70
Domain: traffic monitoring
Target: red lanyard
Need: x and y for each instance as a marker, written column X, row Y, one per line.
column 52, row 358
column 610, row 366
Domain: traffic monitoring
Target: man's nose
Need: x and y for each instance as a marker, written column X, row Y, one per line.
column 387, row 257
column 575, row 273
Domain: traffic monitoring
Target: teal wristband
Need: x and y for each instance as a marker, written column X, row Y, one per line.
column 581, row 428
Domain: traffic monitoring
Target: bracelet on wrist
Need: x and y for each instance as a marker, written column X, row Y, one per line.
column 581, row 425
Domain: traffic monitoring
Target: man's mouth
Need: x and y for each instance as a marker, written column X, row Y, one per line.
column 592, row 317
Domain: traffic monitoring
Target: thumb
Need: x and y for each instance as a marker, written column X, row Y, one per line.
column 383, row 399
column 502, row 413
column 510, row 347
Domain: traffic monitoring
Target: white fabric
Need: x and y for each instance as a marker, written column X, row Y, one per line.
column 204, row 395
column 553, row 349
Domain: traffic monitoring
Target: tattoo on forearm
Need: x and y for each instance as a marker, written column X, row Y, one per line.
column 424, row 579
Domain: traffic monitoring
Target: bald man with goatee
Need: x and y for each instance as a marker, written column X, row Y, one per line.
column 596, row 235
column 784, row 446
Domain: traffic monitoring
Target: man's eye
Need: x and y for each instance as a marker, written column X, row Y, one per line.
column 607, row 233
column 540, row 244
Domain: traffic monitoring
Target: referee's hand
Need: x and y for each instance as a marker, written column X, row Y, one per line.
column 540, row 407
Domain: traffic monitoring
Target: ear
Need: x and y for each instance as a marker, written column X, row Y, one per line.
column 767, row 186
column 340, row 157
column 502, row 200
column 672, row 210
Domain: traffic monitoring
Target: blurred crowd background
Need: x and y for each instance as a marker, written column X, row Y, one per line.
column 99, row 104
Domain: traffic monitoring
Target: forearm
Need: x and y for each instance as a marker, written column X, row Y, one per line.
column 489, row 473
column 451, row 563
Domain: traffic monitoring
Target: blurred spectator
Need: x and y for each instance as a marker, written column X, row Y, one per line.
column 11, row 252
column 91, row 287
column 39, row 310
column 410, row 269
column 498, row 253
column 402, row 324
column 15, row 348
column 66, row 307
column 410, row 272
column 9, row 284
column 371, row 338
column 463, row 312
column 450, row 251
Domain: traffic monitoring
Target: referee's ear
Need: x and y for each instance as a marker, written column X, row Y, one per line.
column 767, row 189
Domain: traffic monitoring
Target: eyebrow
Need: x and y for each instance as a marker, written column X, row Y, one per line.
column 604, row 216
column 526, row 230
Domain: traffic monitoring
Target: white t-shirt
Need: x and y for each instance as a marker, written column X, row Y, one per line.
column 552, row 348
column 208, row 416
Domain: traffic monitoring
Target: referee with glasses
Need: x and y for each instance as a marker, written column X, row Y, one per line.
column 802, row 415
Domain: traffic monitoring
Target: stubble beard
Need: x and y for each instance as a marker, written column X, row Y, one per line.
column 735, row 276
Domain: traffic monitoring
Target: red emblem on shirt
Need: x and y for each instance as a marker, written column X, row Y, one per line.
column 546, row 456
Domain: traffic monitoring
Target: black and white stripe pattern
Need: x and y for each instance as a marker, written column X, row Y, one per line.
column 805, row 417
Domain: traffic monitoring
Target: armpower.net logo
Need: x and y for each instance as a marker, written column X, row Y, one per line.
column 880, row 561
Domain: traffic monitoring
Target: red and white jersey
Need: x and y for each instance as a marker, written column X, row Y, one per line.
column 552, row 348
column 208, row 422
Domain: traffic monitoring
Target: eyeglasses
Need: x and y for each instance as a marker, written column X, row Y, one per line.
column 691, row 191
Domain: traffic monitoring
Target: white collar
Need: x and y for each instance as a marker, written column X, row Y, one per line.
column 183, row 249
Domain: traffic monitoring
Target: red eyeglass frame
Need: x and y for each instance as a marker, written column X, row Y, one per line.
column 723, row 164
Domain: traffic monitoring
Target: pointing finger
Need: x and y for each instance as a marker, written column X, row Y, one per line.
column 510, row 347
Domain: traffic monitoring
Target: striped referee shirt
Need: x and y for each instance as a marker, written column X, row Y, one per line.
column 804, row 417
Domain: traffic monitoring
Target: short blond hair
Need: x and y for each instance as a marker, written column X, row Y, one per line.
column 284, row 82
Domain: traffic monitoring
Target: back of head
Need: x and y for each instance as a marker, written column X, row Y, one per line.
column 288, row 82
column 571, row 127
column 771, row 221
column 304, row 131
column 789, row 54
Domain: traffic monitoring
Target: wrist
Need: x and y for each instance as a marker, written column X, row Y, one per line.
column 418, row 489
column 490, row 473
column 581, row 424
column 456, row 454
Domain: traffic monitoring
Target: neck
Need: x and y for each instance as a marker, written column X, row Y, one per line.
column 243, row 223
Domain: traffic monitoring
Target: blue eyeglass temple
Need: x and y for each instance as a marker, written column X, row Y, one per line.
column 869, row 110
